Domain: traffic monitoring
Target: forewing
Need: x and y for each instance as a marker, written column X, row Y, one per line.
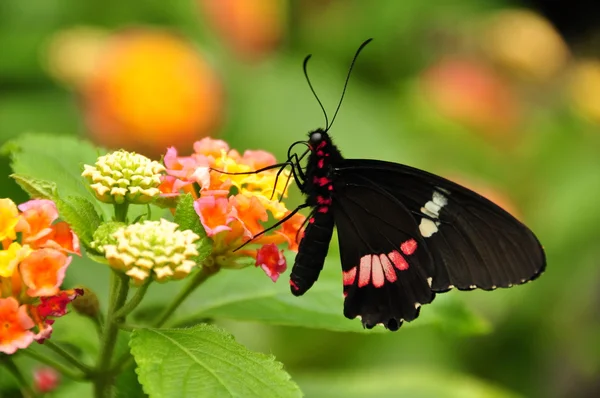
column 387, row 269
column 473, row 242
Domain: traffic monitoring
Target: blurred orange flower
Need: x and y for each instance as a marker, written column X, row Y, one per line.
column 151, row 89
column 525, row 43
column 252, row 28
column 31, row 272
column 233, row 208
column 472, row 94
column 585, row 88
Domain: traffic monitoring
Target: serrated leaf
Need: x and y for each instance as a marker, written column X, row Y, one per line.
column 248, row 295
column 81, row 215
column 59, row 159
column 127, row 385
column 187, row 218
column 205, row 361
column 35, row 188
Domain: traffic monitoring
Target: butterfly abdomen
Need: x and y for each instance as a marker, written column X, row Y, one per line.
column 311, row 252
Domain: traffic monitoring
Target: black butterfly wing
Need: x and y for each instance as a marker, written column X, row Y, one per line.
column 473, row 242
column 387, row 269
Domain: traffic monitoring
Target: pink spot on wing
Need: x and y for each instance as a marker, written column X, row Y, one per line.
column 349, row 276
column 364, row 274
column 311, row 220
column 409, row 247
column 323, row 209
column 321, row 163
column 330, row 187
column 398, row 260
column 377, row 272
column 388, row 268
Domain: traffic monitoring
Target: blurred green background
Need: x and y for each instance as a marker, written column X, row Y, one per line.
column 478, row 91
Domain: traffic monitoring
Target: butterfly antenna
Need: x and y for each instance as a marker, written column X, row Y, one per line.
column 348, row 78
column 313, row 90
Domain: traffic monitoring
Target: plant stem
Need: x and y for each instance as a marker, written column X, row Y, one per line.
column 133, row 302
column 12, row 368
column 121, row 211
column 119, row 287
column 68, row 372
column 70, row 358
column 196, row 281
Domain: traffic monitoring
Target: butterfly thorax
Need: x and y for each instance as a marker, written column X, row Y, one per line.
column 323, row 157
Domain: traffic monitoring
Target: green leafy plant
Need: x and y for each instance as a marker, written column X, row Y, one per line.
column 163, row 240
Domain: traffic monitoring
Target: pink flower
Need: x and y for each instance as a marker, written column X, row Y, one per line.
column 258, row 159
column 210, row 147
column 215, row 214
column 46, row 379
column 271, row 260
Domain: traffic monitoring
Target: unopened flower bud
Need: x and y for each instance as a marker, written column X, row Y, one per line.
column 124, row 176
column 104, row 235
column 153, row 248
column 86, row 304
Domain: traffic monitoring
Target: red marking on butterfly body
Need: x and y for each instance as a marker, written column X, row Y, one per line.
column 323, row 209
column 321, row 181
column 324, row 201
column 293, row 285
column 409, row 247
column 311, row 220
column 321, row 163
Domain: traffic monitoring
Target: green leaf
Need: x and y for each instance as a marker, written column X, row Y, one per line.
column 58, row 159
column 205, row 361
column 36, row 188
column 127, row 385
column 81, row 215
column 404, row 382
column 187, row 218
column 248, row 295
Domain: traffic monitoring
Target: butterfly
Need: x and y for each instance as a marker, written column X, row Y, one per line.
column 404, row 234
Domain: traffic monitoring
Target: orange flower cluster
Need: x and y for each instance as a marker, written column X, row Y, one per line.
column 233, row 208
column 31, row 271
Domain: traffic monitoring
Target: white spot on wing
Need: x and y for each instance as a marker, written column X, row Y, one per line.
column 427, row 227
column 431, row 209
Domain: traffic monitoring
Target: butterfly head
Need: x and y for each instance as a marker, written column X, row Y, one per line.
column 316, row 139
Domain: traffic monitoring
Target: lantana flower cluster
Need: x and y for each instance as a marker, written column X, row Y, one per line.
column 234, row 207
column 34, row 258
column 153, row 249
